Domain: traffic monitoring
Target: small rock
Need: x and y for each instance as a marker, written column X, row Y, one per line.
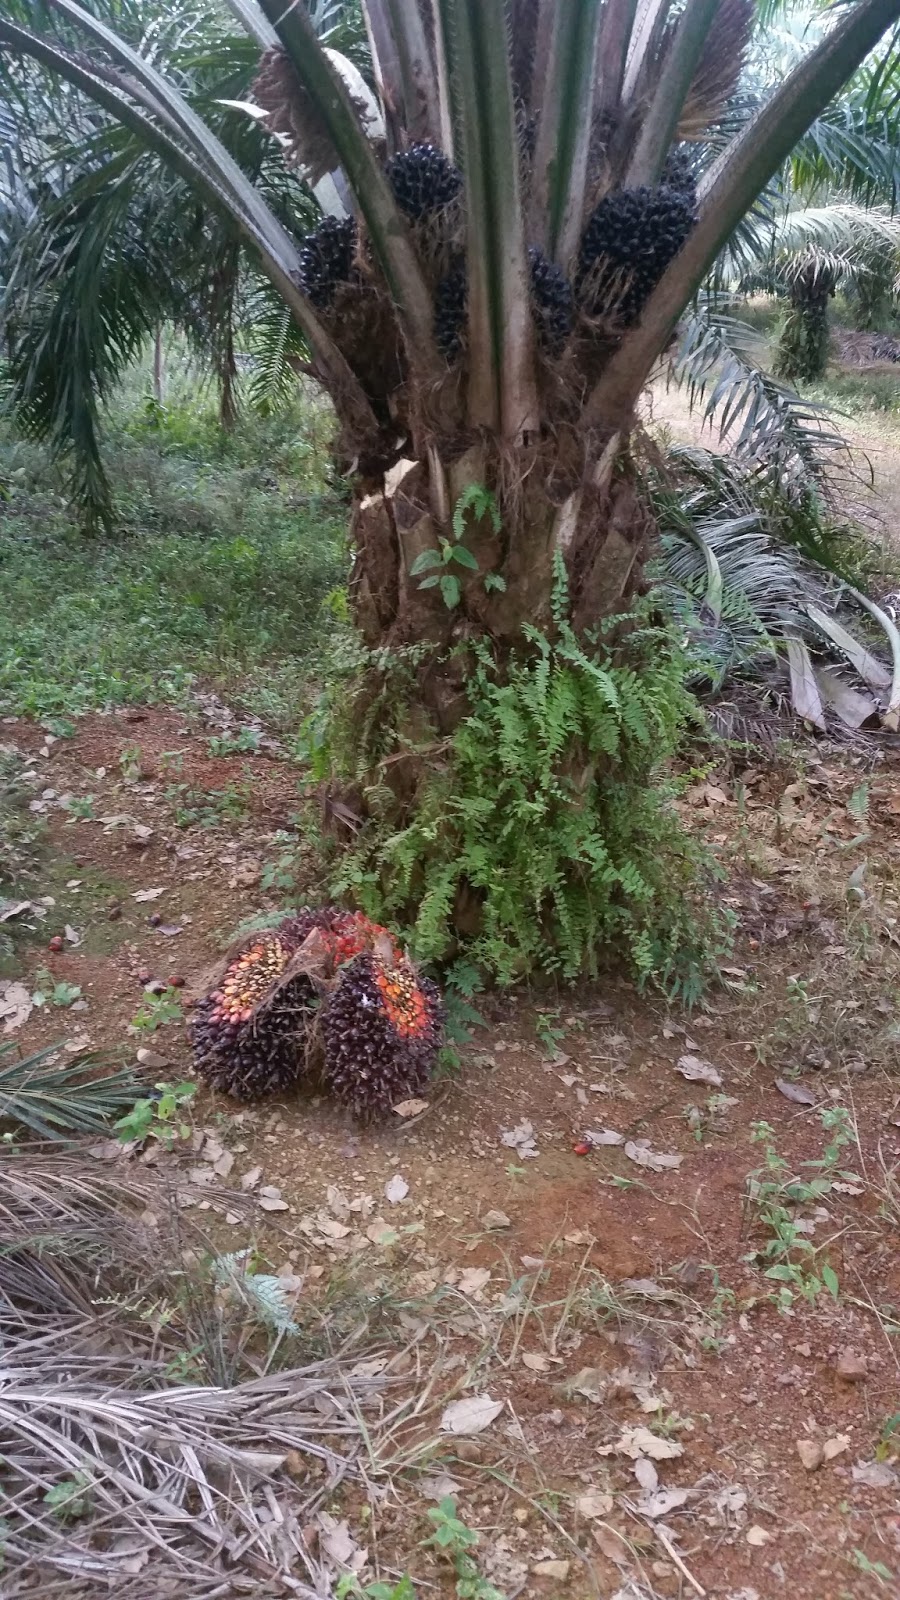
column 493, row 1221
column 151, row 1059
column 144, row 975
column 468, row 1450
column 811, row 1453
column 851, row 1367
column 552, row 1569
column 154, row 919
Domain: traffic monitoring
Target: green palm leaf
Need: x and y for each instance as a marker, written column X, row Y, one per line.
column 61, row 1100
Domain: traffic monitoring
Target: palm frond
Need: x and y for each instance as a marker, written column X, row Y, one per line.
column 56, row 1099
column 765, row 422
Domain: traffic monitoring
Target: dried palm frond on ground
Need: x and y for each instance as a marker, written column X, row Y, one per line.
column 109, row 1463
column 197, row 1476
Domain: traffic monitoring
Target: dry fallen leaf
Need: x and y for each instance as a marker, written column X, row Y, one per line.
column 471, row 1415
column 757, row 1536
column 796, row 1092
column 646, row 1474
column 602, row 1136
column 396, row 1190
column 410, row 1108
column 329, row 1227
column 660, row 1503
column 381, row 1233
column 473, row 1280
column 638, row 1150
column 594, row 1504
column 874, row 1475
column 535, row 1362
column 147, row 894
column 698, row 1071
column 836, row 1446
column 251, row 1178
column 15, row 1006
column 521, row 1139
column 640, row 1441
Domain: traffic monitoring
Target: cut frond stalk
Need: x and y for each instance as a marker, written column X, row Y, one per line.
column 502, row 390
column 372, row 192
column 679, row 67
column 564, row 131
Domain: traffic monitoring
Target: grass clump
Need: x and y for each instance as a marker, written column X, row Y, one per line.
column 226, row 548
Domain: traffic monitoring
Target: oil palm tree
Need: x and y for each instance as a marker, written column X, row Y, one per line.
column 525, row 226
column 512, row 271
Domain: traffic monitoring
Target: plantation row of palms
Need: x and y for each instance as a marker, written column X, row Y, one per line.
column 479, row 225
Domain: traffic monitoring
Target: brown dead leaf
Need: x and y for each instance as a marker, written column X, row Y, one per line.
column 15, row 1006
column 594, row 1504
column 795, row 1092
column 639, row 1151
column 473, row 1280
column 696, row 1070
column 757, row 1536
column 638, row 1441
column 836, row 1446
column 612, row 1544
column 536, row 1362
column 410, row 1108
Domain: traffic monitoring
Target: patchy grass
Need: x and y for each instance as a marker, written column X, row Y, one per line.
column 226, row 551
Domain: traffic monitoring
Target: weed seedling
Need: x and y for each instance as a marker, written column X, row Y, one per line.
column 130, row 763
column 48, row 992
column 158, row 1115
column 793, row 1260
column 456, row 1541
column 80, row 807
column 241, row 744
column 550, row 1035
column 71, row 1498
column 156, row 1011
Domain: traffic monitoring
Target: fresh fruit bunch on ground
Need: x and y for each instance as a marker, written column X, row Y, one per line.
column 324, row 990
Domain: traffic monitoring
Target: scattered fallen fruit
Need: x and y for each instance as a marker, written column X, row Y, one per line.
column 582, row 1148
column 56, row 944
column 177, row 982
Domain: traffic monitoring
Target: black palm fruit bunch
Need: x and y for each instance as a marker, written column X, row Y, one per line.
column 679, row 172
column 450, row 311
column 326, row 259
column 551, row 301
column 253, row 1033
column 382, row 1030
column 423, row 179
column 628, row 242
column 248, row 1040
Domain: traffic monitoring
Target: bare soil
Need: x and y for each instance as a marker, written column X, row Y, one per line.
column 590, row 1294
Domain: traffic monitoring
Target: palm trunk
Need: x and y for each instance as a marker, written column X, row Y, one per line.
column 159, row 373
column 598, row 530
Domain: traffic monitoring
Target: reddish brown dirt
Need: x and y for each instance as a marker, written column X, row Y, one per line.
column 810, row 998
